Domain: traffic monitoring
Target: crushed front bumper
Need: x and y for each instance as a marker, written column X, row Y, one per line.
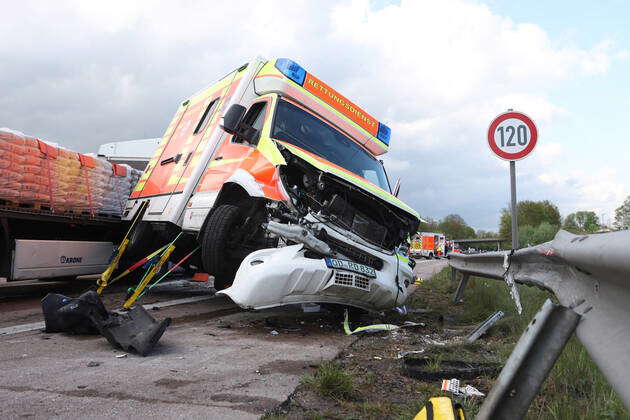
column 283, row 276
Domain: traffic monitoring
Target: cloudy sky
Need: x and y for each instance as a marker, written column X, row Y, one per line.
column 82, row 73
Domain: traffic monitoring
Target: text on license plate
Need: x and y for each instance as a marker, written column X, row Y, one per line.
column 351, row 266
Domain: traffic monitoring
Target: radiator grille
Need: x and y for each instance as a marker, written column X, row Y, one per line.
column 361, row 282
column 352, row 280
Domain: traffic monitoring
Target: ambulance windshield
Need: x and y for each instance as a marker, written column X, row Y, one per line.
column 304, row 130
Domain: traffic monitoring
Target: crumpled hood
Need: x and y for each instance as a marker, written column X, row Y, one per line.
column 332, row 169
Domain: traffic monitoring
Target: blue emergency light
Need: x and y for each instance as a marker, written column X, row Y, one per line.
column 384, row 132
column 291, row 69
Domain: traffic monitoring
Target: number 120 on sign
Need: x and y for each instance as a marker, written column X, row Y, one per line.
column 512, row 136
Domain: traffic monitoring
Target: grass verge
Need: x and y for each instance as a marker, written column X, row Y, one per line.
column 331, row 380
column 575, row 388
column 366, row 382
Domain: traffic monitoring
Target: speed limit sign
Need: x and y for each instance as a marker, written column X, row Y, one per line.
column 512, row 135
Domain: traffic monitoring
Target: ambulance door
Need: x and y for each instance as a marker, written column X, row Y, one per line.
column 194, row 152
column 234, row 149
column 163, row 171
column 155, row 176
column 188, row 139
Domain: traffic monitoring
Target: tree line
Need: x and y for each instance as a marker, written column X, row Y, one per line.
column 538, row 222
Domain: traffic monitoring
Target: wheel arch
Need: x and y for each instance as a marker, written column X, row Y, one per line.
column 230, row 193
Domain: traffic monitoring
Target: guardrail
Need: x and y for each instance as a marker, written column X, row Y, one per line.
column 589, row 275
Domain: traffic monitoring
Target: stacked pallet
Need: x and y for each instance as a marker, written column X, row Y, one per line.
column 36, row 174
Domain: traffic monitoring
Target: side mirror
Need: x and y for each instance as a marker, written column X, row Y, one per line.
column 232, row 118
column 397, row 188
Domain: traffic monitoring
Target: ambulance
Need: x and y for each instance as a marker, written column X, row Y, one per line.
column 429, row 245
column 276, row 176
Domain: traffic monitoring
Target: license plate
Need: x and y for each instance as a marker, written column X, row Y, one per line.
column 351, row 266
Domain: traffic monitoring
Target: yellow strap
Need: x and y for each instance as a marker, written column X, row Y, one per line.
column 148, row 258
column 104, row 279
column 148, row 277
column 375, row 327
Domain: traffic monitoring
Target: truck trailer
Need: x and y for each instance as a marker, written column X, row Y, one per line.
column 59, row 210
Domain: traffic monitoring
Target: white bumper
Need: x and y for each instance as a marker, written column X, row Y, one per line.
column 282, row 276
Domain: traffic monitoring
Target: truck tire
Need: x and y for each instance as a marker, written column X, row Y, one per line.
column 217, row 253
column 141, row 241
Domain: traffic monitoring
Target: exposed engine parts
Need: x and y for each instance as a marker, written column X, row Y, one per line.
column 301, row 235
column 333, row 201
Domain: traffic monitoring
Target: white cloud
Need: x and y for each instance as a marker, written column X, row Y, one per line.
column 436, row 71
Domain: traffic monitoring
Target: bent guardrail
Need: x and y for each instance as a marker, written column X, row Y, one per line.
column 589, row 274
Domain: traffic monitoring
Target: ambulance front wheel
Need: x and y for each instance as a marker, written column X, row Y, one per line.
column 217, row 254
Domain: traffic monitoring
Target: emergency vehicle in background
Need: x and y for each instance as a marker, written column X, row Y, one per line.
column 452, row 246
column 272, row 155
column 428, row 245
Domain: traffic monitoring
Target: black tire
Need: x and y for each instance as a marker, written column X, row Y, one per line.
column 217, row 252
column 140, row 241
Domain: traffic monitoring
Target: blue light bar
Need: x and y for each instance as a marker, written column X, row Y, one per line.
column 384, row 132
column 291, row 69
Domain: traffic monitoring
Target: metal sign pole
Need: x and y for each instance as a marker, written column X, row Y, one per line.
column 513, row 202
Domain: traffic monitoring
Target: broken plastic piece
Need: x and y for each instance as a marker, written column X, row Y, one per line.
column 200, row 277
column 402, row 309
column 74, row 316
column 135, row 330
column 405, row 353
column 452, row 385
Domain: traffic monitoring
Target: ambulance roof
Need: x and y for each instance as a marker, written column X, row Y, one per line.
column 378, row 133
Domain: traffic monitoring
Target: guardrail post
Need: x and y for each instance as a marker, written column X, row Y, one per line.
column 530, row 362
column 459, row 293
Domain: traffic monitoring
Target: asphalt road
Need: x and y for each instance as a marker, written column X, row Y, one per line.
column 215, row 361
column 427, row 268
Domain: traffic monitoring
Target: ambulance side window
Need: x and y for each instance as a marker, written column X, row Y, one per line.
column 254, row 119
column 203, row 122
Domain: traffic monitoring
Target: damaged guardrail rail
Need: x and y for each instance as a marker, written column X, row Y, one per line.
column 589, row 275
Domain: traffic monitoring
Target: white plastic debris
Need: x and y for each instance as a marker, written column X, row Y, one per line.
column 402, row 309
column 452, row 385
column 405, row 353
column 274, row 332
column 310, row 307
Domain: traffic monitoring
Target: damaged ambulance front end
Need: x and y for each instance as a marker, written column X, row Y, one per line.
column 340, row 245
column 339, row 228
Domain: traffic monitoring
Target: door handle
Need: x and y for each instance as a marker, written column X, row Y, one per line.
column 218, row 158
column 175, row 159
